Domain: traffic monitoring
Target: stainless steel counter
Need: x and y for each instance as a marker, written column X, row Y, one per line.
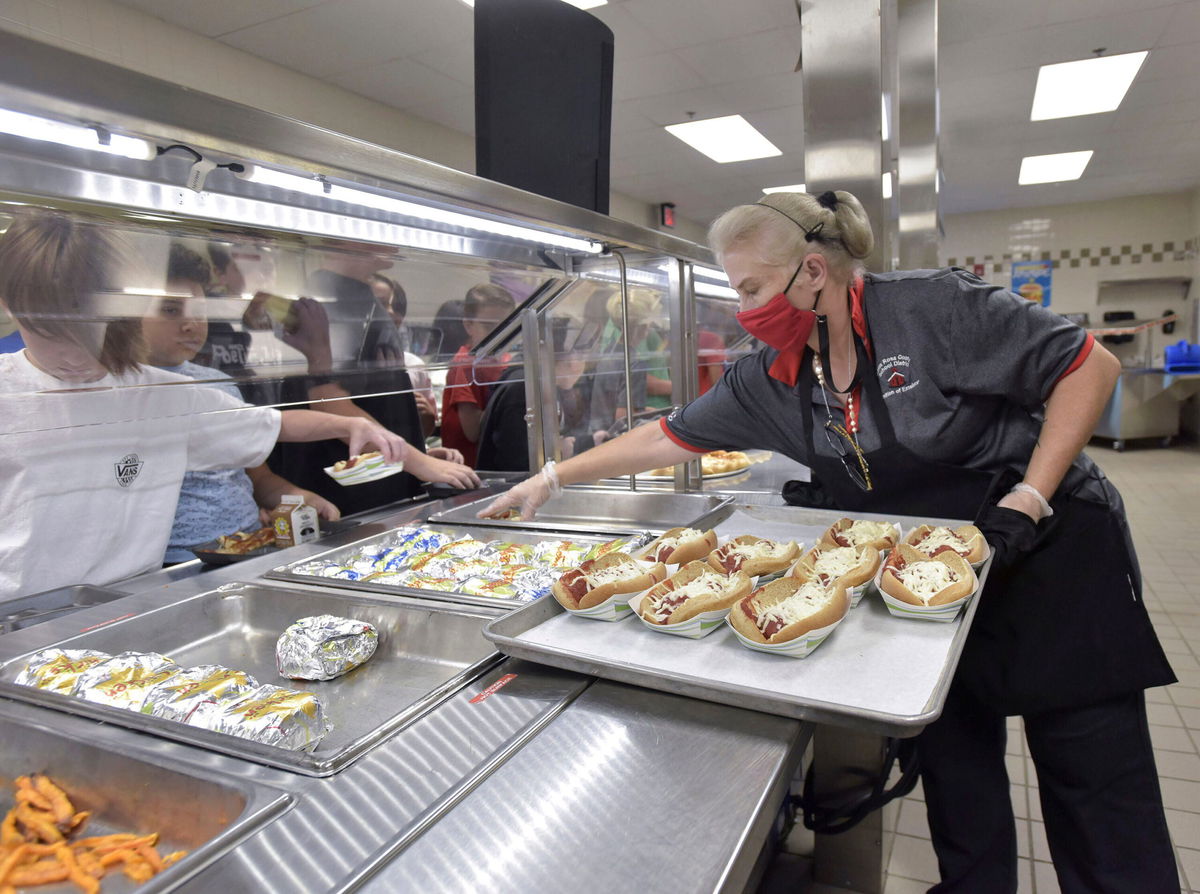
column 491, row 789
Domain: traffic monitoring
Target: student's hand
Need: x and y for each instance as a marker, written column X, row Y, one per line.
column 528, row 497
column 441, row 471
column 449, row 454
column 367, row 433
column 310, row 335
column 324, row 508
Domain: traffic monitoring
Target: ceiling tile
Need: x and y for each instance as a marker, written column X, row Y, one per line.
column 685, row 23
column 1123, row 33
column 1075, row 10
column 651, row 76
column 454, row 58
column 1184, row 26
column 403, row 83
column 963, row 20
column 215, row 17
column 745, row 56
column 348, row 34
column 457, row 115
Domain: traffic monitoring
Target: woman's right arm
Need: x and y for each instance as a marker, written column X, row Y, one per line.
column 646, row 447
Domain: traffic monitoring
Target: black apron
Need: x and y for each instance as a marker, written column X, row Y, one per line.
column 1066, row 626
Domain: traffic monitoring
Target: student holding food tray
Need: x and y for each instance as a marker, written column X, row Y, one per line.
column 95, row 450
column 933, row 393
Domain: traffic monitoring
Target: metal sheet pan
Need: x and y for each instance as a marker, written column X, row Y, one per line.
column 204, row 815
column 291, row 573
column 595, row 509
column 17, row 614
column 875, row 672
column 425, row 654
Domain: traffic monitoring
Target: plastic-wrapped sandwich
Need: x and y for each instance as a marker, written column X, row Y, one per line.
column 196, row 690
column 322, row 647
column 124, row 680
column 271, row 715
column 57, row 670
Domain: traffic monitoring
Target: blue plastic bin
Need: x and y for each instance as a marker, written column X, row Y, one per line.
column 1182, row 357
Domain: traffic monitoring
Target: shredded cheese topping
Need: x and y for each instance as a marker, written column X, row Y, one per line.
column 676, row 539
column 705, row 583
column 863, row 532
column 805, row 602
column 616, row 572
column 837, row 561
column 939, row 537
column 926, row 579
column 760, row 549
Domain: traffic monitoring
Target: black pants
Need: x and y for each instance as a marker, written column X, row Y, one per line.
column 1099, row 790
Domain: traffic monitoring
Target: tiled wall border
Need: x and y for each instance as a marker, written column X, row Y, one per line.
column 1146, row 253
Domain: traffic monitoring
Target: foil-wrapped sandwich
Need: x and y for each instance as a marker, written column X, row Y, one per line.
column 57, row 670
column 124, row 680
column 271, row 715
column 197, row 690
column 323, row 647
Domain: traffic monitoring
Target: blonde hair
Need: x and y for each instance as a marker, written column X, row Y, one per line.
column 51, row 264
column 785, row 226
column 644, row 307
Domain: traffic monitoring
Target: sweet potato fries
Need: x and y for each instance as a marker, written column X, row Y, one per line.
column 38, row 847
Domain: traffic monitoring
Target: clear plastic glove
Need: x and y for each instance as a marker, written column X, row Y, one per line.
column 441, row 471
column 449, row 454
column 527, row 497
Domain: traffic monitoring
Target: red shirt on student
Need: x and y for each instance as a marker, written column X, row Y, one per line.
column 467, row 382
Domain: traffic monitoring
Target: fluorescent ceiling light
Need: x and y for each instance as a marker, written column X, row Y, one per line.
column 1053, row 168
column 578, row 4
column 31, row 127
column 794, row 187
column 731, row 138
column 1084, row 87
column 887, row 185
column 713, row 291
column 883, row 111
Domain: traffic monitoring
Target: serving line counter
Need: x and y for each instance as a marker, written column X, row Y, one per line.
column 505, row 774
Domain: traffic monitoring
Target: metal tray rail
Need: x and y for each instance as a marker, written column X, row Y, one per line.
column 204, row 815
column 426, row 653
column 291, row 573
column 875, row 672
column 598, row 509
column 17, row 614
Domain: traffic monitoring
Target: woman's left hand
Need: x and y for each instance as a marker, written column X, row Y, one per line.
column 367, row 432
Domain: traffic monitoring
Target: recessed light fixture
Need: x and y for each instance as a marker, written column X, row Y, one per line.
column 1053, row 168
column 795, row 187
column 578, row 4
column 1084, row 87
column 731, row 138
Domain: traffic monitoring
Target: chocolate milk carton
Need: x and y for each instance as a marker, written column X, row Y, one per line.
column 294, row 521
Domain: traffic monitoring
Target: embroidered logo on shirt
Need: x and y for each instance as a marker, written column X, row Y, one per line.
column 128, row 468
column 894, row 374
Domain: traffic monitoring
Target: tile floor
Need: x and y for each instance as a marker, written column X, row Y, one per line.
column 1162, row 494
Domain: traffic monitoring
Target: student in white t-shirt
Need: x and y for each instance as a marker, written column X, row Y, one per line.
column 94, row 446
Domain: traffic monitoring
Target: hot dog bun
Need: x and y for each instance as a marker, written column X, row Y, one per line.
column 967, row 541
column 861, row 532
column 679, row 546
column 931, row 585
column 604, row 577
column 753, row 555
column 703, row 590
column 799, row 605
column 849, row 565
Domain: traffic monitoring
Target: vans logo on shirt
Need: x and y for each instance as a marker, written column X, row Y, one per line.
column 895, row 375
column 128, row 468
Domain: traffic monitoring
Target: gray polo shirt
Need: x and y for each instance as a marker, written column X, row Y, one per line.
column 964, row 368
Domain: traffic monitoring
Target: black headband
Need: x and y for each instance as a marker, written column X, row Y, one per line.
column 813, row 235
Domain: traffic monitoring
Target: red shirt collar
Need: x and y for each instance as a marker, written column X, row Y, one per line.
column 786, row 367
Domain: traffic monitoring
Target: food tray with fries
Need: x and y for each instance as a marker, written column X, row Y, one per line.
column 875, row 672
column 81, row 817
column 425, row 654
column 599, row 509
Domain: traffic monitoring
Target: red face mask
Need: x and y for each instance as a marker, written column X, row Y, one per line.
column 780, row 324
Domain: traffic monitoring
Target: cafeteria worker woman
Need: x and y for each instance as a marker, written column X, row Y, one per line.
column 933, row 393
